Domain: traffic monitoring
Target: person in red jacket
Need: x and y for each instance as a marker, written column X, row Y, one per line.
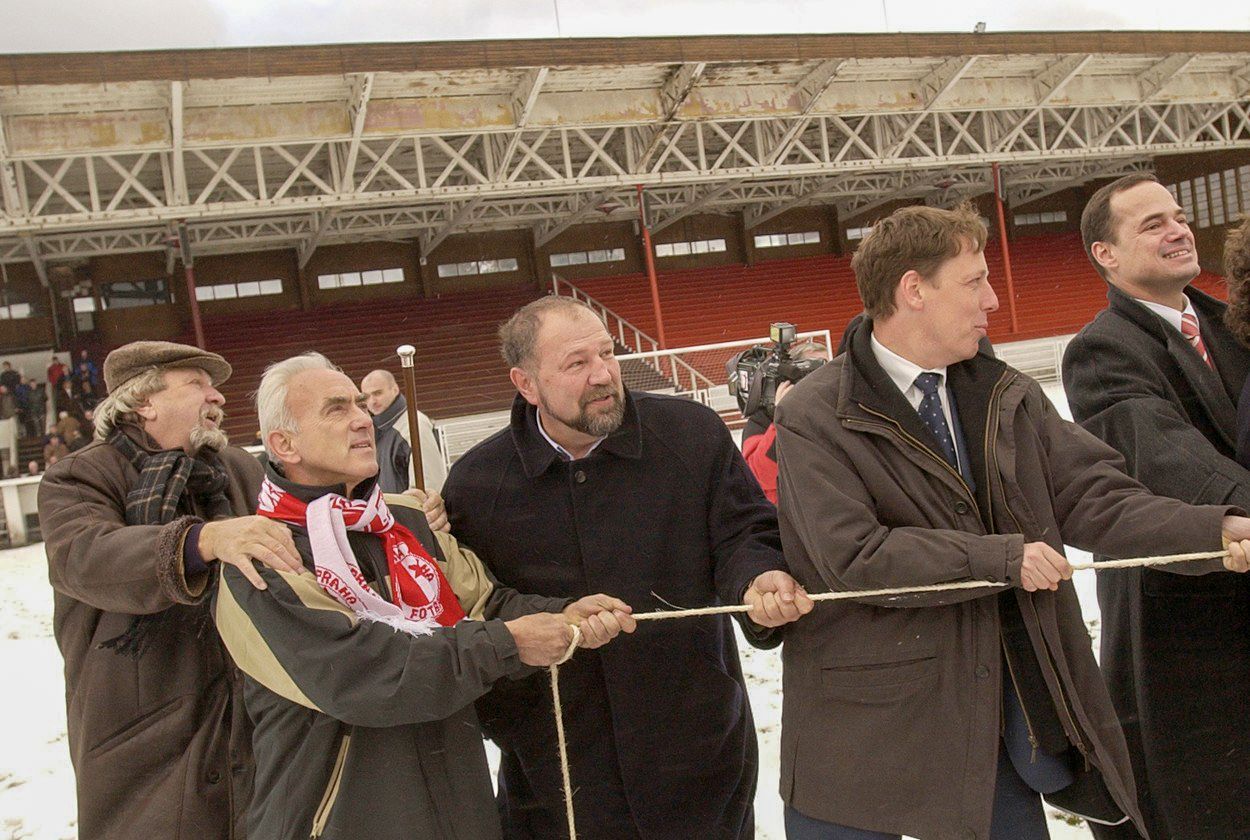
column 759, row 436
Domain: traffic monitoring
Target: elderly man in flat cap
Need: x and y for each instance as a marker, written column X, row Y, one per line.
column 135, row 524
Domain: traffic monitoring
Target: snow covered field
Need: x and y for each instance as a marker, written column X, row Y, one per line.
column 37, row 783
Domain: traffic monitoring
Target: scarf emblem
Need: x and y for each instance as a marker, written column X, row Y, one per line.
column 421, row 598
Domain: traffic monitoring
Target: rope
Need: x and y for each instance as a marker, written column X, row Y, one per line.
column 564, row 752
column 1133, row 562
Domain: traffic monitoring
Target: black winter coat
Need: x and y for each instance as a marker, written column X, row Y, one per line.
column 660, row 734
column 1175, row 643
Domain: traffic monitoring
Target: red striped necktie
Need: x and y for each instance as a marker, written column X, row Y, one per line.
column 1189, row 329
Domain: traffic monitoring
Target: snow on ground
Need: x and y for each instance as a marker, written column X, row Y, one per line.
column 37, row 783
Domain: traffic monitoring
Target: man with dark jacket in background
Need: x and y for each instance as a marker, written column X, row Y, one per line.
column 1157, row 375
column 595, row 488
column 362, row 668
column 38, row 400
column 136, row 525
column 390, row 418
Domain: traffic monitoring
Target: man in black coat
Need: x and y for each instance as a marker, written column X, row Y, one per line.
column 644, row 497
column 1175, row 640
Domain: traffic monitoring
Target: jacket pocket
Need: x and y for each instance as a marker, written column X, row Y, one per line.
column 322, row 816
column 143, row 723
column 868, row 681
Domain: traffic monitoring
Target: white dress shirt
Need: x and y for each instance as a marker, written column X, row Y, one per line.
column 903, row 373
column 564, row 453
column 1168, row 314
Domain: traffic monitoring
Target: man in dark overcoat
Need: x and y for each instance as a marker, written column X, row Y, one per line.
column 646, row 497
column 1175, row 644
column 916, row 459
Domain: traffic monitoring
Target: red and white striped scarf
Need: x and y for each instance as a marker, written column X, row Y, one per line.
column 423, row 599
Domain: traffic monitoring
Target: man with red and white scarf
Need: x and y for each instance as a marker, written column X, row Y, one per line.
column 362, row 670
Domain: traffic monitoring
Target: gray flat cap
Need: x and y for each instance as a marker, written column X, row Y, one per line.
column 130, row 360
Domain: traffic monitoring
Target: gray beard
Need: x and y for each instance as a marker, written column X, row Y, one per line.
column 213, row 440
column 599, row 425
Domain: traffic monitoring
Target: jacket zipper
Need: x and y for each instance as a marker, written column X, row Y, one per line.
column 894, row 425
column 322, row 815
column 991, row 432
column 1064, row 707
column 1011, row 673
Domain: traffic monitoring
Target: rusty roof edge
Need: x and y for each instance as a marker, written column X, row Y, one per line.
column 21, row 69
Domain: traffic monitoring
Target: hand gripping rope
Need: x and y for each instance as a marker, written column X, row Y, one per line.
column 1133, row 562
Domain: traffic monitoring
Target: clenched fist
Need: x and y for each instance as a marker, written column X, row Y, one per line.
column 1043, row 567
column 601, row 618
column 542, row 639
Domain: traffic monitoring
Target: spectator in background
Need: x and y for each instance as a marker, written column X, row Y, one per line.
column 54, row 450
column 67, row 423
column 88, row 399
column 32, row 468
column 8, row 424
column 38, row 405
column 85, row 373
column 56, row 372
column 759, row 436
column 390, row 419
column 9, row 378
column 21, row 396
column 66, row 401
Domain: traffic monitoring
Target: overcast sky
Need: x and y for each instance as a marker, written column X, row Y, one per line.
column 72, row 25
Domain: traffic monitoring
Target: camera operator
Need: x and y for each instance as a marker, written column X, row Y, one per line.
column 759, row 435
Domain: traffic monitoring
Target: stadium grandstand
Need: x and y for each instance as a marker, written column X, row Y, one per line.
column 262, row 202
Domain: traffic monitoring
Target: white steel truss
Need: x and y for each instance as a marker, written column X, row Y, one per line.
column 391, row 155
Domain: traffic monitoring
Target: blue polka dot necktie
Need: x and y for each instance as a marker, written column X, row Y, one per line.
column 931, row 415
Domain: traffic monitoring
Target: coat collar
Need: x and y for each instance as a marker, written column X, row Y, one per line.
column 1217, row 389
column 866, row 384
column 392, row 413
column 537, row 455
column 309, row 493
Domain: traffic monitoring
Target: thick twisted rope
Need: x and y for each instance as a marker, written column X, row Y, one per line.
column 1133, row 562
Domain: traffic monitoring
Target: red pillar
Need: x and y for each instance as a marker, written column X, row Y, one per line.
column 195, row 308
column 1002, row 238
column 651, row 276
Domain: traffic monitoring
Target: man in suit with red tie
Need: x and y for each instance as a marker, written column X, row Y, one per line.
column 1157, row 375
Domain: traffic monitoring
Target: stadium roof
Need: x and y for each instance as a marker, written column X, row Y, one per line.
column 303, row 146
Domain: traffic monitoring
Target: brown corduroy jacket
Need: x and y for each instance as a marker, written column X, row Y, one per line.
column 161, row 745
column 892, row 706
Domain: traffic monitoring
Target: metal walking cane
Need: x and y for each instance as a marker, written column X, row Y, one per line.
column 406, row 353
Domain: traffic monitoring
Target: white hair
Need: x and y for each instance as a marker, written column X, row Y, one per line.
column 271, row 407
column 122, row 403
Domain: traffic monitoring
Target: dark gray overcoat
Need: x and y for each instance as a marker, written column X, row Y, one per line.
column 1175, row 646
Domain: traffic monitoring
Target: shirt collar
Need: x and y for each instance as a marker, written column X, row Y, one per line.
column 1167, row 313
column 564, row 453
column 902, row 372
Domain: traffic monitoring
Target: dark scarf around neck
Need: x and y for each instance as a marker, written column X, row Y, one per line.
column 166, row 479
